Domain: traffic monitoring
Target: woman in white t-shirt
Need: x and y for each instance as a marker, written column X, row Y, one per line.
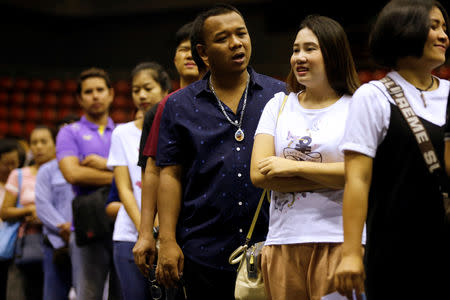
column 388, row 184
column 150, row 83
column 296, row 155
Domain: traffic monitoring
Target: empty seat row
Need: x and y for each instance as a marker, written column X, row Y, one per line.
column 67, row 100
column 52, row 85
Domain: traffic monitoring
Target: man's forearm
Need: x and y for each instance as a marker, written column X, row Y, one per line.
column 150, row 182
column 81, row 175
column 169, row 201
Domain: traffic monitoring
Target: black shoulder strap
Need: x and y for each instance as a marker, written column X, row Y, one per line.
column 419, row 131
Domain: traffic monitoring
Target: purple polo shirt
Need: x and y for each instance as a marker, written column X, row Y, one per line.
column 81, row 139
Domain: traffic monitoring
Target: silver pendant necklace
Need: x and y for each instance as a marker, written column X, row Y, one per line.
column 239, row 134
column 425, row 90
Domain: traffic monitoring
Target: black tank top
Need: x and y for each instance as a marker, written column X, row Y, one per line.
column 406, row 233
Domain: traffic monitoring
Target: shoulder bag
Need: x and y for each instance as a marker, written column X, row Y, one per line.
column 89, row 217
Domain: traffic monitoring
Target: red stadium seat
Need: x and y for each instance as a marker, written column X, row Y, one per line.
column 378, row 74
column 67, row 100
column 64, row 112
column 54, row 86
column 29, row 126
column 50, row 99
column 70, row 86
column 17, row 98
column 121, row 102
column 176, row 84
column 37, row 85
column 16, row 113
column 33, row 99
column 444, row 72
column 49, row 116
column 364, row 76
column 3, row 98
column 121, row 116
column 16, row 129
column 32, row 114
column 3, row 113
column 21, row 84
column 6, row 83
column 3, row 127
column 122, row 87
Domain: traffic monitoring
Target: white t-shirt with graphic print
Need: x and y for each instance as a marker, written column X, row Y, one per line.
column 312, row 135
column 124, row 151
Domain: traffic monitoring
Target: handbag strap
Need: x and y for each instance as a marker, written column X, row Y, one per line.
column 282, row 107
column 255, row 218
column 264, row 193
column 419, row 131
column 19, row 173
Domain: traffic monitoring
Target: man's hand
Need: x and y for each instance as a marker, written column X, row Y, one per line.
column 144, row 252
column 170, row 263
column 350, row 276
column 95, row 161
column 64, row 231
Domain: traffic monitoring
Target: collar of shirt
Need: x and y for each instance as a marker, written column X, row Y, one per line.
column 94, row 127
column 255, row 83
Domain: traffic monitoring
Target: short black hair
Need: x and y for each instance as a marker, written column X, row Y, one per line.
column 8, row 145
column 183, row 33
column 93, row 72
column 401, row 30
column 197, row 28
column 158, row 73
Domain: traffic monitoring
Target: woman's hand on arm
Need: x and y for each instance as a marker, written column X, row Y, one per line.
column 358, row 176
column 77, row 174
column 276, row 173
column 95, row 161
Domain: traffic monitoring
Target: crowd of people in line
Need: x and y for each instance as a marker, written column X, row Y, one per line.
column 356, row 200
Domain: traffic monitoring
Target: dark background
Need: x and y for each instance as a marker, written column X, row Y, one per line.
column 49, row 38
column 45, row 44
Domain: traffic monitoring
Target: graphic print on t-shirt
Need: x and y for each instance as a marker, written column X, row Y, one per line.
column 299, row 149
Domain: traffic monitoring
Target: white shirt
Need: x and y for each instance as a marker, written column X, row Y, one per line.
column 305, row 134
column 124, row 151
column 370, row 112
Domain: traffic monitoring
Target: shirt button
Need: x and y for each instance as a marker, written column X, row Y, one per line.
column 240, row 203
column 238, row 149
column 239, row 175
column 240, row 230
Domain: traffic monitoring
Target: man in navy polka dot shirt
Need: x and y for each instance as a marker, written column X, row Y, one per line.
column 206, row 200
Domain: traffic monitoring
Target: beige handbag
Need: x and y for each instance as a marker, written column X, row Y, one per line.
column 249, row 281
